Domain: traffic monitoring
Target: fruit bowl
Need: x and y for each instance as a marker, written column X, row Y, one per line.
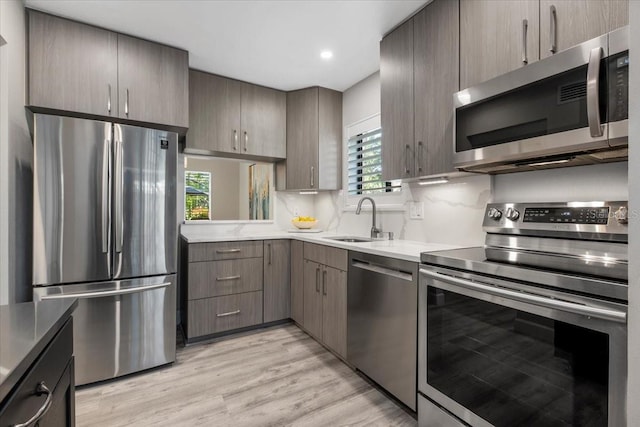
column 304, row 223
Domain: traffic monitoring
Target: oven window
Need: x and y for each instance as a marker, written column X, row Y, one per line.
column 513, row 368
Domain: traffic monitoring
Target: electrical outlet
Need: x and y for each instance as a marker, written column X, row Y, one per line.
column 296, row 212
column 416, row 210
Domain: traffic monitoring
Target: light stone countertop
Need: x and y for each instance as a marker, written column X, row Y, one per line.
column 401, row 249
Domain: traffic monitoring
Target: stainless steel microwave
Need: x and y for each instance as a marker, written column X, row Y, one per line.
column 568, row 109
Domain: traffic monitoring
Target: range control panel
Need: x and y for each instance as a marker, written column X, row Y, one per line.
column 571, row 215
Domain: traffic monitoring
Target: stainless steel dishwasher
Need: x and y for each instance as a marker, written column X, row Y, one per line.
column 382, row 307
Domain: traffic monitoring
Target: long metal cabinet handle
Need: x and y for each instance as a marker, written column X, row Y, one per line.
column 317, row 279
column 593, row 92
column 109, row 99
column 227, row 251
column 235, row 140
column 99, row 294
column 313, row 170
column 246, row 140
column 270, row 253
column 525, row 27
column 119, row 198
column 406, row 159
column 224, row 279
column 40, row 389
column 601, row 313
column 553, row 29
column 324, row 282
column 106, row 195
column 420, row 148
column 126, row 104
column 228, row 313
column 383, row 270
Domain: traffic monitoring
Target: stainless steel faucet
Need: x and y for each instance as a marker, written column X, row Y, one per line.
column 375, row 231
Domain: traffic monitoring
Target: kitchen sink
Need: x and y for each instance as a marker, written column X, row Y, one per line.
column 350, row 239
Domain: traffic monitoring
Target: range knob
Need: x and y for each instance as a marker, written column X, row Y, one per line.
column 512, row 214
column 494, row 213
column 622, row 215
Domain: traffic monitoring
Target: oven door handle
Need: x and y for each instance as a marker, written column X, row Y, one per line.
column 600, row 313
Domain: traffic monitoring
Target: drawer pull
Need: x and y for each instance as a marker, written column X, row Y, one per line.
column 40, row 389
column 227, row 251
column 229, row 313
column 224, row 279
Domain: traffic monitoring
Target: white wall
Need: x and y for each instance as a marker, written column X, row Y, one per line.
column 16, row 152
column 453, row 211
column 633, row 409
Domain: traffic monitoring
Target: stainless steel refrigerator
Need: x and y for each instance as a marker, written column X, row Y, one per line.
column 105, row 231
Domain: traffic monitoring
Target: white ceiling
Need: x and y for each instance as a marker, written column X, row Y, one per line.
column 272, row 43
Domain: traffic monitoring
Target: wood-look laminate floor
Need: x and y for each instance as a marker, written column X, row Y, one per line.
column 276, row 377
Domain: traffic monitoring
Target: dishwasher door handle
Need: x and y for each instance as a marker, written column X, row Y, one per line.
column 375, row 268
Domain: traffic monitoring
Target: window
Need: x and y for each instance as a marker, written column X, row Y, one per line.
column 197, row 195
column 364, row 165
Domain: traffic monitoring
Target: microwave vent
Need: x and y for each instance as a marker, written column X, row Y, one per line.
column 572, row 92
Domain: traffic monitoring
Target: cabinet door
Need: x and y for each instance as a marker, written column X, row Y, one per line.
column 264, row 121
column 619, row 14
column 396, row 85
column 573, row 22
column 492, row 38
column 302, row 139
column 153, row 82
column 334, row 308
column 329, row 139
column 313, row 299
column 214, row 118
column 72, row 66
column 436, row 77
column 297, row 282
column 277, row 284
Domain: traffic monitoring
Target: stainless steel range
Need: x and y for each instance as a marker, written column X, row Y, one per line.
column 530, row 329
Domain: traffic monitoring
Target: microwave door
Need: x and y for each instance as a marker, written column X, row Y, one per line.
column 144, row 205
column 71, row 218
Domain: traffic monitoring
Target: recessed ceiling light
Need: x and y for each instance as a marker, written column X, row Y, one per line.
column 326, row 54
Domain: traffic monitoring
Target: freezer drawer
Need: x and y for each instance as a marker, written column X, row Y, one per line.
column 120, row 327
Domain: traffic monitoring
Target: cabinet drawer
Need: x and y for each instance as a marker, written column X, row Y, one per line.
column 49, row 368
column 327, row 255
column 219, row 314
column 224, row 250
column 215, row 278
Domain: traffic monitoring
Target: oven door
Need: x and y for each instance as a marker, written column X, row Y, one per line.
column 505, row 354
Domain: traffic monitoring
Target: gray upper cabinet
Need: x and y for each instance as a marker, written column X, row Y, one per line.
column 214, row 109
column 418, row 77
column 314, row 141
column 566, row 23
column 153, row 82
column 277, row 284
column 230, row 118
column 264, row 121
column 86, row 70
column 494, row 38
column 436, row 79
column 396, row 98
column 72, row 66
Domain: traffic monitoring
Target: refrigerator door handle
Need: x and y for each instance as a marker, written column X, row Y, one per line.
column 110, row 293
column 119, row 232
column 106, row 196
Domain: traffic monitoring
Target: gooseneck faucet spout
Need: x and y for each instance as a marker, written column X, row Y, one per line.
column 375, row 231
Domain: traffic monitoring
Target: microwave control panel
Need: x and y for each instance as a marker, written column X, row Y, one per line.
column 618, row 71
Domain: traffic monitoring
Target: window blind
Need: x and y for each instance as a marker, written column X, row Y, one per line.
column 364, row 159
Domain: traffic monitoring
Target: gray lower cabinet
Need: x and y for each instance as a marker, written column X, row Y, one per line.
column 297, row 281
column 215, row 278
column 230, row 118
column 212, row 315
column 418, row 77
column 314, row 141
column 325, row 296
column 277, row 283
column 85, row 70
